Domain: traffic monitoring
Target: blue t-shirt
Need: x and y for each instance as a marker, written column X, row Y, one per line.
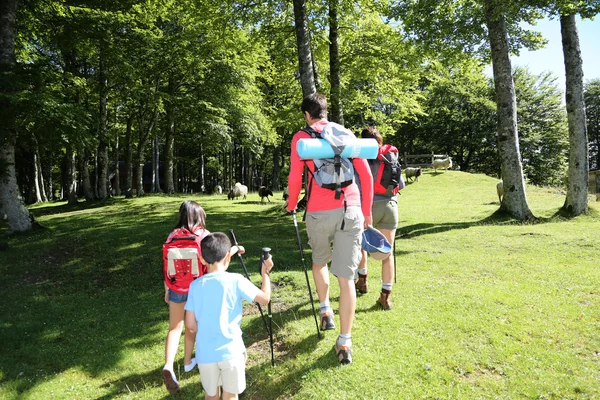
column 216, row 301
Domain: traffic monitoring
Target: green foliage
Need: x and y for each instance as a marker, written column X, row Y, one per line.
column 592, row 114
column 458, row 120
column 448, row 29
column 484, row 307
column 542, row 126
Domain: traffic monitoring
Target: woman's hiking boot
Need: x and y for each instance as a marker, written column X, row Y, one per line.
column 327, row 322
column 361, row 284
column 384, row 299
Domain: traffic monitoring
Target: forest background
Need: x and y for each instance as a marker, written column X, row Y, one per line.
column 113, row 98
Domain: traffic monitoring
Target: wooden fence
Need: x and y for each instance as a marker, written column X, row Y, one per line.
column 420, row 160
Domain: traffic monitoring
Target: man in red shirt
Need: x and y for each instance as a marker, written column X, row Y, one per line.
column 330, row 220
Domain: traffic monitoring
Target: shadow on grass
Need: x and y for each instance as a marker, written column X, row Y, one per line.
column 499, row 217
column 82, row 293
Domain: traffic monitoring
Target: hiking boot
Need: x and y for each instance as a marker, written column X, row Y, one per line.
column 384, row 299
column 170, row 381
column 327, row 322
column 361, row 284
column 344, row 353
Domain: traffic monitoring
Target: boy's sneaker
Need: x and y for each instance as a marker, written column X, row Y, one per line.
column 344, row 353
column 361, row 284
column 327, row 322
column 170, row 381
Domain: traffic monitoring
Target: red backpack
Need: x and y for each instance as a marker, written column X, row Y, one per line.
column 181, row 259
column 386, row 170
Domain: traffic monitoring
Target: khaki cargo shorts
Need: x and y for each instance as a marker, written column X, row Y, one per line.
column 324, row 228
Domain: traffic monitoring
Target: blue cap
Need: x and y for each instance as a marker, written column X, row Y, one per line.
column 375, row 243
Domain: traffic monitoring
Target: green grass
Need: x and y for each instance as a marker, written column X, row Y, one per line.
column 484, row 307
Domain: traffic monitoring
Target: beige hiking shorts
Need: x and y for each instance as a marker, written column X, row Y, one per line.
column 230, row 374
column 324, row 228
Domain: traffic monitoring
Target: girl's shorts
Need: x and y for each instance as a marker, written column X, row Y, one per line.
column 177, row 297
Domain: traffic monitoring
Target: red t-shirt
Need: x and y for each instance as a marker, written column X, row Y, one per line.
column 322, row 199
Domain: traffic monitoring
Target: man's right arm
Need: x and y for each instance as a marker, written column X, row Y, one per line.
column 295, row 175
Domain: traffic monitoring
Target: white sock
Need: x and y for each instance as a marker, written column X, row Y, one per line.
column 345, row 339
column 386, row 286
column 324, row 307
column 362, row 271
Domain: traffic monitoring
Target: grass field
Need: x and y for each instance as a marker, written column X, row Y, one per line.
column 484, row 307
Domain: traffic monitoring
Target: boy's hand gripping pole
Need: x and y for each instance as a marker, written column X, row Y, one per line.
column 235, row 243
column 263, row 257
column 312, row 303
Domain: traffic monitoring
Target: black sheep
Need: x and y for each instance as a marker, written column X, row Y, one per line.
column 264, row 192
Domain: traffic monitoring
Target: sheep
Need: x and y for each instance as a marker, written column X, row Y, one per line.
column 230, row 195
column 286, row 193
column 444, row 163
column 264, row 192
column 240, row 190
column 412, row 172
column 218, row 189
column 500, row 190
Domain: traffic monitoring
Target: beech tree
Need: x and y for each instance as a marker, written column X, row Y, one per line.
column 305, row 56
column 577, row 175
column 485, row 27
column 11, row 203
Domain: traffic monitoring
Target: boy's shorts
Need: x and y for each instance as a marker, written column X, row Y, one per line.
column 177, row 297
column 324, row 227
column 230, row 374
column 385, row 214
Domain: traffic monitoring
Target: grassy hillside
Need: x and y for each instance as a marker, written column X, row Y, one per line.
column 483, row 307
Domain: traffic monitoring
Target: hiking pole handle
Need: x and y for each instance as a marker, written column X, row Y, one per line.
column 263, row 257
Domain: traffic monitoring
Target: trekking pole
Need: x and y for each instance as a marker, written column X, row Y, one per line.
column 394, row 250
column 312, row 303
column 263, row 257
column 235, row 243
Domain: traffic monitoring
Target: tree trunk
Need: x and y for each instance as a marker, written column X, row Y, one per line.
column 86, row 183
column 47, row 172
column 335, row 102
column 128, row 159
column 515, row 198
column 276, row 168
column 117, row 178
column 102, row 158
column 38, row 182
column 169, row 144
column 11, row 203
column 143, row 139
column 307, row 76
column 70, row 172
column 576, row 201
column 201, row 177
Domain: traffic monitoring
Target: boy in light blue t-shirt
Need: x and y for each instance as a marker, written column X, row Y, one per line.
column 214, row 312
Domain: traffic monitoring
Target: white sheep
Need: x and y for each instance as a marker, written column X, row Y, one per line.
column 444, row 163
column 500, row 190
column 218, row 189
column 240, row 190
